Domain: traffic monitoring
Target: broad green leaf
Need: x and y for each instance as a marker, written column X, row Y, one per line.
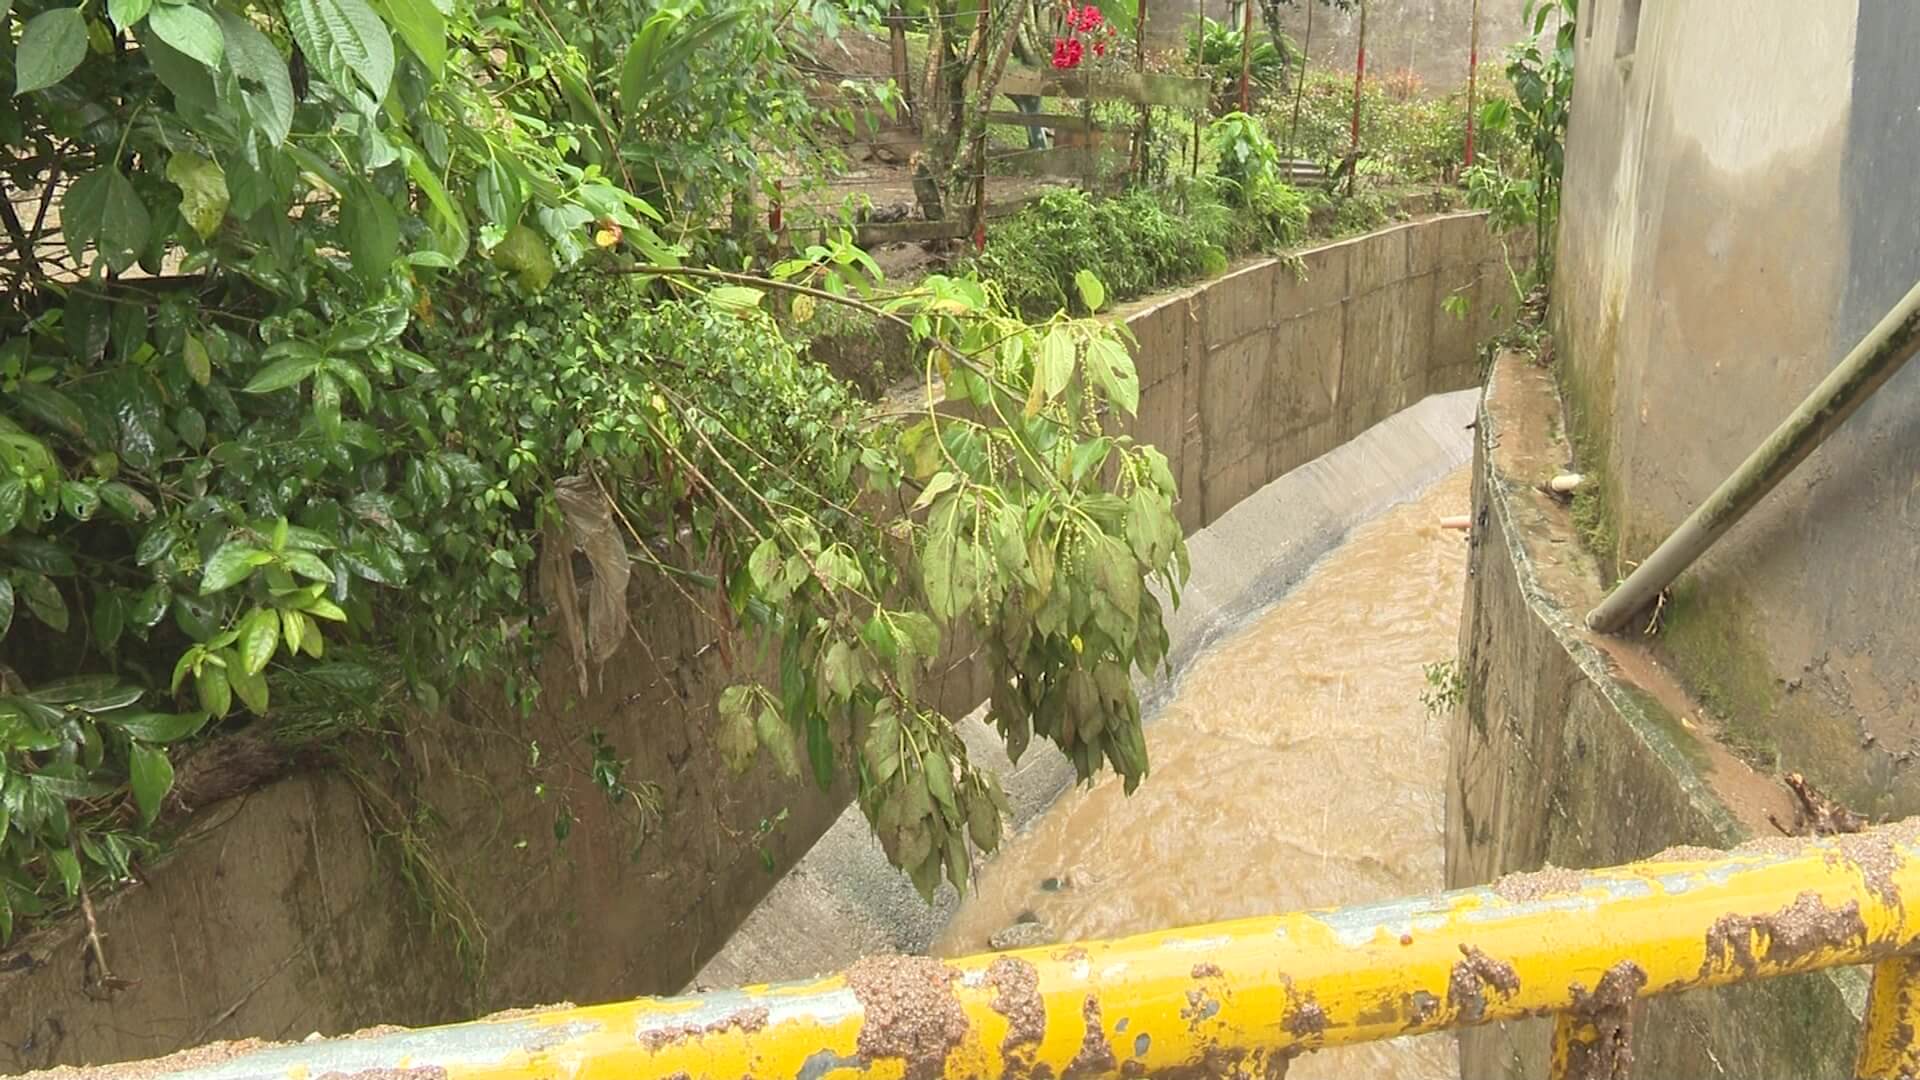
column 156, row 544
column 879, row 637
column 735, row 738
column 1115, row 571
column 778, row 740
column 190, row 30
column 51, row 46
column 251, row 689
column 882, row 748
column 836, row 669
column 639, row 69
column 159, row 727
column 346, row 41
column 1151, row 530
column 216, row 696
column 285, row 372
column 189, row 79
column 126, row 14
column 68, row 865
column 232, row 563
column 422, row 27
column 33, row 553
column 13, row 503
column 736, row 297
column 1053, row 366
column 1112, row 370
column 1092, row 293
column 765, row 564
column 658, row 50
column 91, row 693
column 941, row 482
column 448, row 223
column 841, row 570
column 497, row 191
column 983, row 821
column 198, row 363
column 820, row 751
column 381, row 565
column 940, row 779
column 302, row 539
column 6, row 605
column 948, row 569
column 322, row 608
column 307, row 565
column 259, row 639
column 109, row 617
column 101, row 208
column 918, row 633
column 50, row 407
column 373, row 230
column 203, row 202
column 527, row 255
column 267, row 87
column 151, row 607
column 151, row 775
column 43, row 599
column 125, row 501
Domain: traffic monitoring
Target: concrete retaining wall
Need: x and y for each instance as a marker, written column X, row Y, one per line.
column 1280, row 361
column 278, row 916
column 1556, row 760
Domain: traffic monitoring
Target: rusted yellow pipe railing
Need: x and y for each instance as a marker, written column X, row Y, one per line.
column 1243, row 998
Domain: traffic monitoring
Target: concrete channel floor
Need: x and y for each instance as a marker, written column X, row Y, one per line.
column 844, row 900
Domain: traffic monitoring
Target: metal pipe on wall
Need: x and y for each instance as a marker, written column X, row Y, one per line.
column 1872, row 362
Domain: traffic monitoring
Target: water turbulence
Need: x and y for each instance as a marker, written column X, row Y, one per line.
column 1294, row 767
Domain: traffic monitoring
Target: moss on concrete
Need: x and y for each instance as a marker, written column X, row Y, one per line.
column 1707, row 639
column 1587, row 412
column 1651, row 713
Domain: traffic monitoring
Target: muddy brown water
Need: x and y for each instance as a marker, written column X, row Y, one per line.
column 1294, row 767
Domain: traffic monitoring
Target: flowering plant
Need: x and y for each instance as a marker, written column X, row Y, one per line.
column 1081, row 26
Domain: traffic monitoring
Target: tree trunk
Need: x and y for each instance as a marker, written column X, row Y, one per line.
column 897, row 45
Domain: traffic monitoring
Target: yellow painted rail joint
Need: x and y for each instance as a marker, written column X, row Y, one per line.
column 1241, row 998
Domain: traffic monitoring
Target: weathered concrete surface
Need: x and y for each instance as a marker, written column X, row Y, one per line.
column 280, row 917
column 843, row 901
column 1281, row 360
column 1558, row 760
column 1730, row 229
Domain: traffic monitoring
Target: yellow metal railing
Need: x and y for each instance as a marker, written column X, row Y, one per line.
column 1245, row 998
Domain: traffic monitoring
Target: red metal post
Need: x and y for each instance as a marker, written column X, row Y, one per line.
column 1359, row 77
column 1473, row 72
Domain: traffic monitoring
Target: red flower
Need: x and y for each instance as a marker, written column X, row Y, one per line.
column 1074, row 51
column 1060, row 53
column 1090, row 18
column 1099, row 48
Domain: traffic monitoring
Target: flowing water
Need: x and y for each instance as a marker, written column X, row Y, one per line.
column 1295, row 767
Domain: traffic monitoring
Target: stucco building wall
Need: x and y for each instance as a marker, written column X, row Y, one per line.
column 1738, row 211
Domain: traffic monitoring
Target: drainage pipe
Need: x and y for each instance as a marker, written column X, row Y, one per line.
column 1872, row 362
